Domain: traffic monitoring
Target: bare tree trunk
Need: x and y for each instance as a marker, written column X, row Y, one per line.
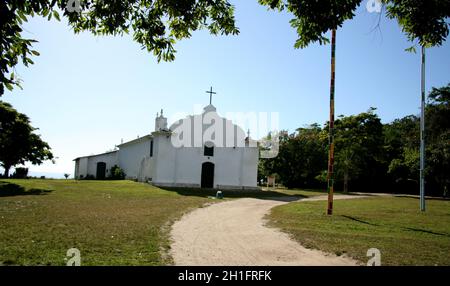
column 6, row 174
column 422, row 136
column 346, row 182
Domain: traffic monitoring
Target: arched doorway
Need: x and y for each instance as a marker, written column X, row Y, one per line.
column 207, row 175
column 101, row 170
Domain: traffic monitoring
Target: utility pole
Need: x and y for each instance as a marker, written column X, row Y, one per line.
column 330, row 176
column 422, row 136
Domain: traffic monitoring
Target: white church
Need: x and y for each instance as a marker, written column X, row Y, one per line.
column 199, row 151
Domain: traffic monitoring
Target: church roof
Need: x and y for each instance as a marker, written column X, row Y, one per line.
column 105, row 153
column 209, row 108
column 137, row 140
column 209, row 126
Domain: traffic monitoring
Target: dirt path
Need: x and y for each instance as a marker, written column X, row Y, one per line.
column 233, row 233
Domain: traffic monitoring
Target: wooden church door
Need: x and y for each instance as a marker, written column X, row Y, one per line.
column 207, row 175
column 101, row 171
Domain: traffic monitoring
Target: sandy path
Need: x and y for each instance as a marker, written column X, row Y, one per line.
column 232, row 233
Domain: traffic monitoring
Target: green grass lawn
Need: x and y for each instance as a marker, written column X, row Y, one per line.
column 110, row 222
column 395, row 226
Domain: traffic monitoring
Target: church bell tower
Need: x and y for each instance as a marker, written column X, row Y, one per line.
column 160, row 122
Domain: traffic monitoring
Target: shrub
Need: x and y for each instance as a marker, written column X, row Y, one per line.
column 20, row 173
column 89, row 177
column 116, row 173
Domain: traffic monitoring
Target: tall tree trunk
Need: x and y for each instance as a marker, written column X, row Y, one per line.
column 331, row 131
column 422, row 135
column 6, row 174
column 346, row 182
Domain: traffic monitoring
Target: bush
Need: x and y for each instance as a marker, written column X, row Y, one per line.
column 20, row 173
column 116, row 173
column 89, row 177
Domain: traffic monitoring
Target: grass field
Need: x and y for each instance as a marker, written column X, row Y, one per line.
column 110, row 222
column 127, row 223
column 394, row 225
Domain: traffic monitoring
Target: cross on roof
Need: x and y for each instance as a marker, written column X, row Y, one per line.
column 210, row 95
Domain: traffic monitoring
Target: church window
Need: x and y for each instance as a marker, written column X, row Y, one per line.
column 151, row 148
column 209, row 150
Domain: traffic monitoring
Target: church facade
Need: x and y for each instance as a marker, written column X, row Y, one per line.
column 199, row 151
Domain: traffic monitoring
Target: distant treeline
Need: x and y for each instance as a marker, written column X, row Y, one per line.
column 369, row 156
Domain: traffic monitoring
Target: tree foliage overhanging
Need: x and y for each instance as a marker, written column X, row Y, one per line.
column 370, row 156
column 156, row 25
column 425, row 21
column 18, row 142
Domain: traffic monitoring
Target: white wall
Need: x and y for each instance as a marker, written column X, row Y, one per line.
column 131, row 155
column 110, row 159
column 81, row 167
column 250, row 167
column 234, row 167
column 165, row 159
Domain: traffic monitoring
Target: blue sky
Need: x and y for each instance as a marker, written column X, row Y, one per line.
column 86, row 93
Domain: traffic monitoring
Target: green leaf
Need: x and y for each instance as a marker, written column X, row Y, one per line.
column 22, row 16
column 8, row 86
column 411, row 49
column 36, row 53
column 56, row 15
column 45, row 12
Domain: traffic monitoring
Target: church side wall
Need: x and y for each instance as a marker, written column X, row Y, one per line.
column 250, row 167
column 81, row 167
column 130, row 157
column 164, row 160
column 110, row 159
column 235, row 168
column 227, row 169
column 188, row 167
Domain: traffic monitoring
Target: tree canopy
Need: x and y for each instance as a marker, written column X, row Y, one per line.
column 370, row 156
column 438, row 137
column 421, row 20
column 18, row 143
column 156, row 25
column 359, row 144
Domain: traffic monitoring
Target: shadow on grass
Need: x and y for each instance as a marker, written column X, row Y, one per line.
column 9, row 190
column 426, row 198
column 257, row 194
column 359, row 220
column 404, row 228
column 426, row 231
